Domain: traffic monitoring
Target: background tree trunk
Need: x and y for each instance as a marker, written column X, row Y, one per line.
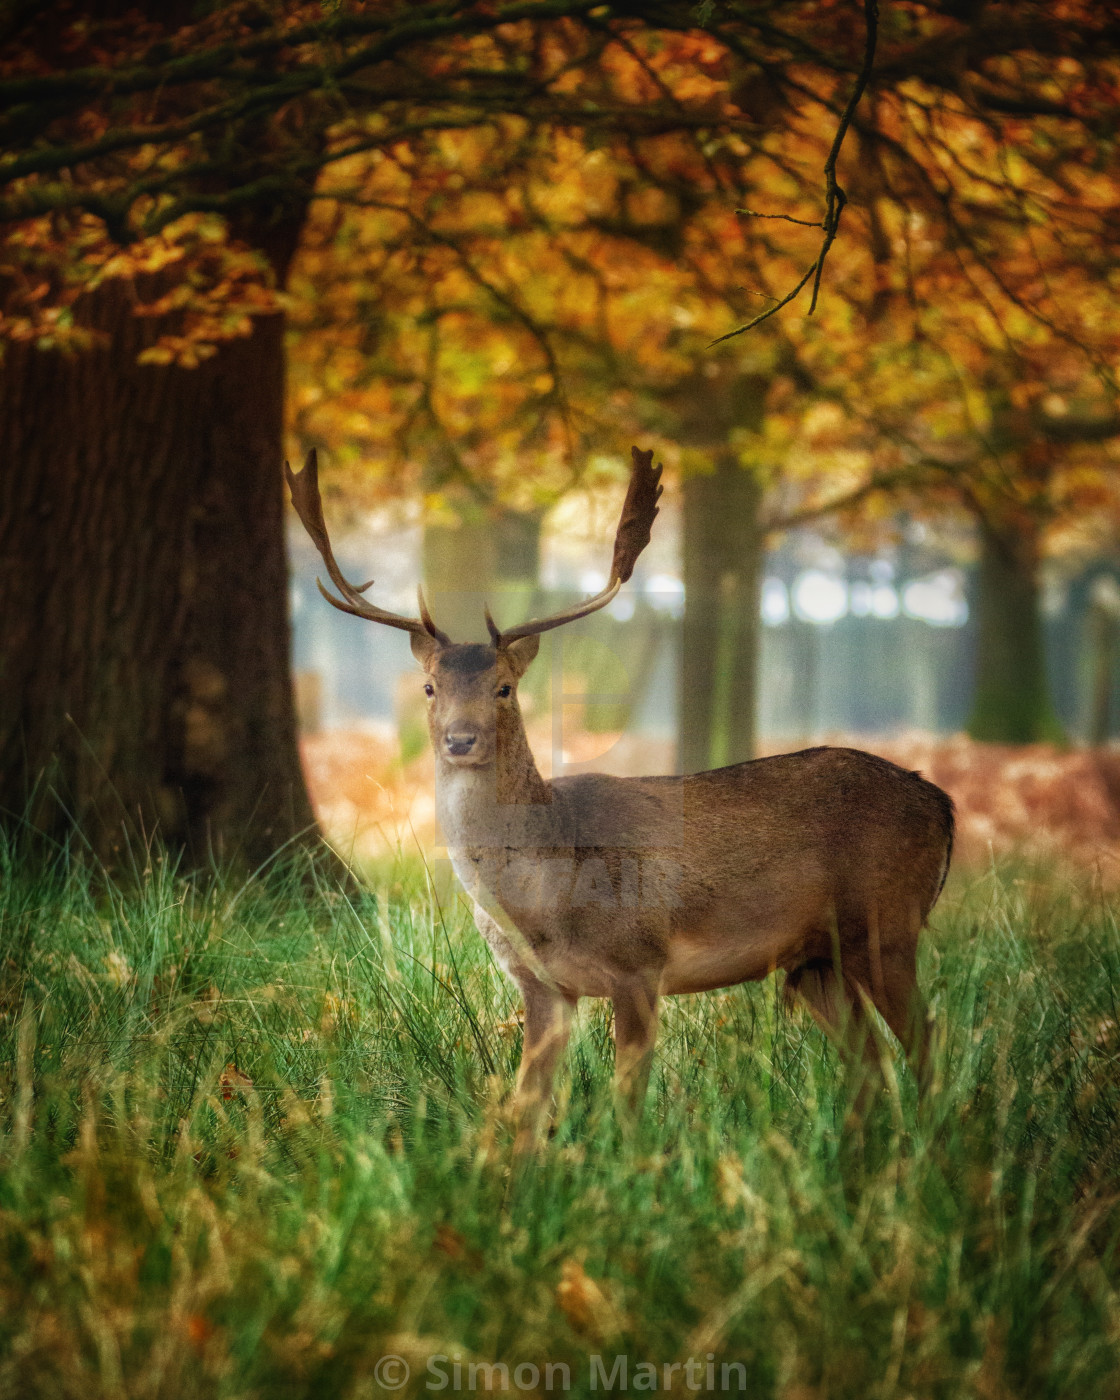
column 719, row 642
column 1103, row 628
column 723, row 558
column 144, row 642
column 1011, row 702
column 459, row 566
column 468, row 564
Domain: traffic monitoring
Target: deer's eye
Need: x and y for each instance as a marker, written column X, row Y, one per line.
column 503, row 691
column 429, row 691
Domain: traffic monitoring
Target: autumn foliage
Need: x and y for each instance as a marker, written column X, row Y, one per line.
column 509, row 238
column 526, row 263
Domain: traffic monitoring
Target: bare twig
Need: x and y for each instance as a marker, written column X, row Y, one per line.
column 835, row 198
column 789, row 219
column 770, row 311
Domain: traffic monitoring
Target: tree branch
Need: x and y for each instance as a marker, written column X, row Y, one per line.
column 881, row 481
column 1073, row 428
column 835, row 198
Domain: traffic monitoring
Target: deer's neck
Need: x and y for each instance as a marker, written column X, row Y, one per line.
column 517, row 779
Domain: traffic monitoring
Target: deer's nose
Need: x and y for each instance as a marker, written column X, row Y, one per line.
column 460, row 744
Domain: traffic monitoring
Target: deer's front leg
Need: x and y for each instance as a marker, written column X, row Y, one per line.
column 635, row 1031
column 548, row 1023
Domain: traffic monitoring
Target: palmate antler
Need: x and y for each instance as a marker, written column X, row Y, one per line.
column 304, row 487
column 639, row 510
column 638, row 513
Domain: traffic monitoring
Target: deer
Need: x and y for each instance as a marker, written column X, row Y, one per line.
column 823, row 864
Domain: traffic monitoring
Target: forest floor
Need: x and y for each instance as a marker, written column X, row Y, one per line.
column 254, row 1145
column 1035, row 801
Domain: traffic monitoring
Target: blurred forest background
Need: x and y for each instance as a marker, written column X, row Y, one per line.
column 850, row 270
column 470, row 252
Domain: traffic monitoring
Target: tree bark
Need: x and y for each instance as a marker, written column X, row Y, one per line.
column 723, row 555
column 144, row 640
column 1011, row 701
column 719, row 643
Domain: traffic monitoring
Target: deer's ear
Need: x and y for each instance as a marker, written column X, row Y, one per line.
column 423, row 647
column 521, row 653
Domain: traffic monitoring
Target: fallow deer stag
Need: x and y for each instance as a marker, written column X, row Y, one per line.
column 823, row 863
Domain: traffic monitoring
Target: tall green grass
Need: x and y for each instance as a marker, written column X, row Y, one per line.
column 252, row 1139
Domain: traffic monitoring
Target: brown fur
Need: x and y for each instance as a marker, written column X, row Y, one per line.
column 823, row 863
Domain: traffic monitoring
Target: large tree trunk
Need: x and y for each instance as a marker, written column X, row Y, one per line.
column 145, row 685
column 1011, row 701
column 719, row 644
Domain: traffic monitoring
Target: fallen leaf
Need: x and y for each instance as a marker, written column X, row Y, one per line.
column 199, row 1330
column 233, row 1081
column 584, row 1303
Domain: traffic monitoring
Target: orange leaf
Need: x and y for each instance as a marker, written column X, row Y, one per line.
column 199, row 1330
column 584, row 1303
column 232, row 1081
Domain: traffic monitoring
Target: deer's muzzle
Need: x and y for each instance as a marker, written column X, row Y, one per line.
column 460, row 744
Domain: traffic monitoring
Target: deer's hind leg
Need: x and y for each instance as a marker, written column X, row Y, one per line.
column 838, row 1001
column 899, row 1000
column 836, row 1006
column 880, row 963
column 884, row 942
